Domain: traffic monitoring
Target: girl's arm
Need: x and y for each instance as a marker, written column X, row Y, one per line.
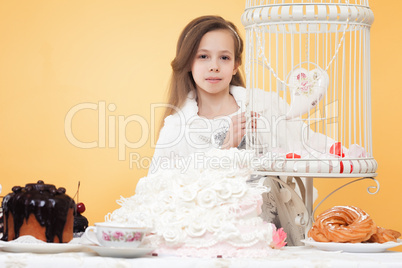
column 171, row 144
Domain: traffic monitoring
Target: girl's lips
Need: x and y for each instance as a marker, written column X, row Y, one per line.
column 213, row 79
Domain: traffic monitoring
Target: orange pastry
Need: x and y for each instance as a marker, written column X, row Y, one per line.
column 343, row 224
column 384, row 235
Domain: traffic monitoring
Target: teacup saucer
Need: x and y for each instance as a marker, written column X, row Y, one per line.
column 121, row 252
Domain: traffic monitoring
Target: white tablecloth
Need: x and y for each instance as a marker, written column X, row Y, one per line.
column 286, row 257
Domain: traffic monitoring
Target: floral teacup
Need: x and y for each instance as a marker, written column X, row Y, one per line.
column 111, row 234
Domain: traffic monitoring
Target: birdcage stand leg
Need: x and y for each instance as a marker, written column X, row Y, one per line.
column 309, row 201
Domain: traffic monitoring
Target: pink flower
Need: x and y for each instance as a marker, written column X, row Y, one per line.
column 105, row 236
column 301, row 75
column 137, row 236
column 278, row 238
column 130, row 238
column 118, row 235
column 305, row 86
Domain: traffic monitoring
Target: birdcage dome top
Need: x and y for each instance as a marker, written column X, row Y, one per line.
column 256, row 3
column 354, row 12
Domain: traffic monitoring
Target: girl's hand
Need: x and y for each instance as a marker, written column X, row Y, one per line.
column 237, row 130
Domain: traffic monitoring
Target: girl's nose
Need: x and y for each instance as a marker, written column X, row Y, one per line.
column 214, row 66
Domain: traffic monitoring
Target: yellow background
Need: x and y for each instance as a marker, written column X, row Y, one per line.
column 57, row 55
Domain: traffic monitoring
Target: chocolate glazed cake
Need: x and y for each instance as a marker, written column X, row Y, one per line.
column 40, row 210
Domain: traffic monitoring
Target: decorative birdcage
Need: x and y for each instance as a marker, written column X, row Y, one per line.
column 311, row 59
column 308, row 79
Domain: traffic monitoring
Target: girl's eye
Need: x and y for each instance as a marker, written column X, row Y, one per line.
column 202, row 56
column 225, row 58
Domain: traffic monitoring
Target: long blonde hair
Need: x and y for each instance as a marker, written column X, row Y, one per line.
column 181, row 81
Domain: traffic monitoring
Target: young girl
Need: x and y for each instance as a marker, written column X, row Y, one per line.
column 207, row 100
column 207, row 95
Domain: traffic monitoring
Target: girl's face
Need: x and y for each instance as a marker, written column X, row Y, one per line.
column 214, row 63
